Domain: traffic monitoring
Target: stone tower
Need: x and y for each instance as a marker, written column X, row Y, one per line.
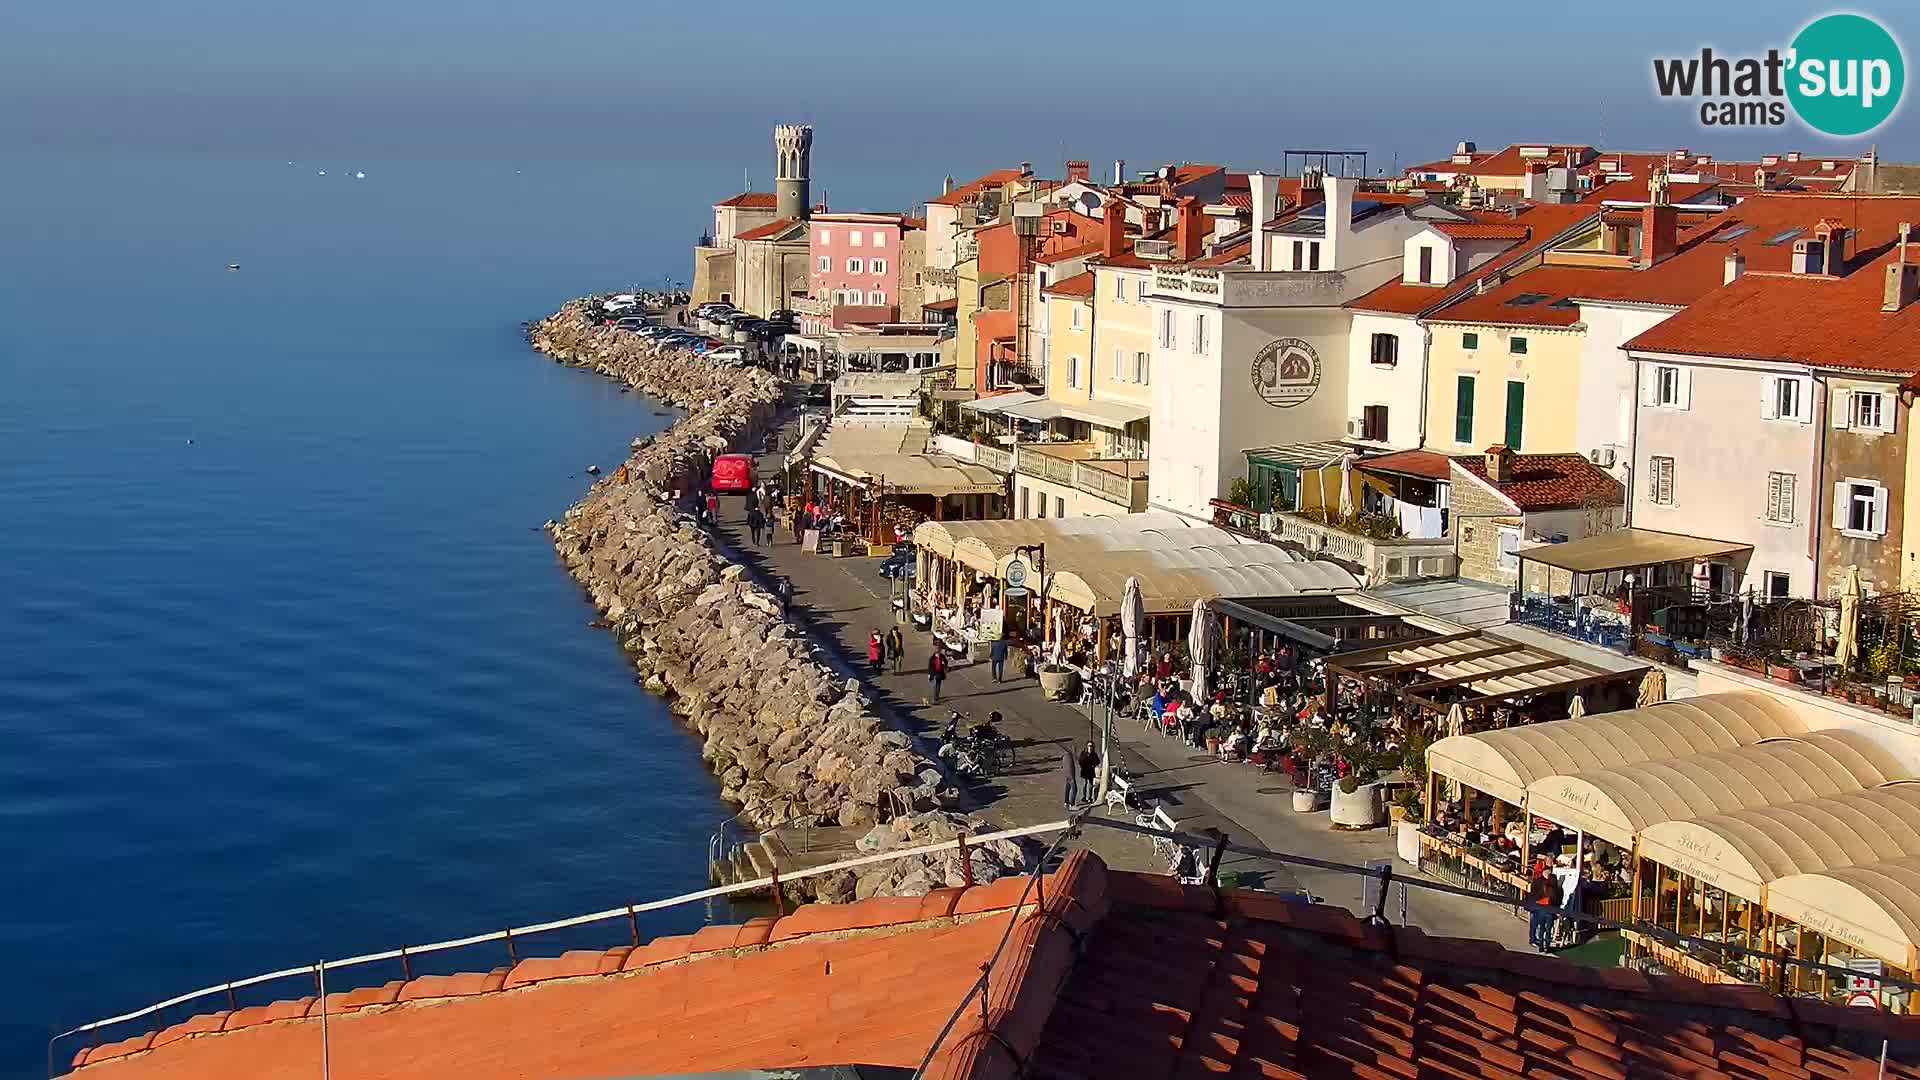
column 793, row 169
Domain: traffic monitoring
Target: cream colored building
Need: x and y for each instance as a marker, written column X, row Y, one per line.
column 1511, row 385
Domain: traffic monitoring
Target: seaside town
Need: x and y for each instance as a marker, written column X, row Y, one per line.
column 1319, row 619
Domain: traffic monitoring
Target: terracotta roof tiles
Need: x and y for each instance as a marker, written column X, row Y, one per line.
column 966, row 192
column 769, row 230
column 1538, row 482
column 1079, row 285
column 752, row 200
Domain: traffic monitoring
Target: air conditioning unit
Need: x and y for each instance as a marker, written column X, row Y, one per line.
column 1356, row 427
column 1060, row 228
column 1601, row 456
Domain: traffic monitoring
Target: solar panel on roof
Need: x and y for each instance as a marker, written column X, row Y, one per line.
column 1564, row 303
column 1526, row 299
column 1733, row 234
column 1781, row 238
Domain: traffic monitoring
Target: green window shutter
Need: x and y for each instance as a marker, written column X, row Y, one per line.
column 1463, row 410
column 1516, row 413
column 1470, row 340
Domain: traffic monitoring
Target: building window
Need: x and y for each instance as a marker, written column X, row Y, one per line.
column 1073, row 372
column 1517, row 346
column 1516, row 413
column 1868, row 412
column 1660, row 481
column 879, row 239
column 855, row 266
column 1426, row 265
column 1667, row 392
column 826, row 264
column 1469, row 341
column 1860, row 508
column 1024, row 506
column 825, row 235
column 1166, row 329
column 1119, row 289
column 1776, row 585
column 1299, row 254
column 1787, row 399
column 1059, row 506
column 877, row 299
column 853, row 237
column 1140, row 290
column 1373, row 423
column 1313, row 255
column 877, row 266
column 1041, row 509
column 1386, row 350
column 1200, row 333
column 1463, row 410
column 1142, row 367
column 1076, row 316
column 1780, row 493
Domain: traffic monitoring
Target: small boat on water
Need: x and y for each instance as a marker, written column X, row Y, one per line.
column 233, row 266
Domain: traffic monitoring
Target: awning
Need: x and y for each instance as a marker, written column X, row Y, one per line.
column 1502, row 763
column 1172, row 590
column 1113, row 414
column 892, row 454
column 1419, row 464
column 1615, row 804
column 1744, row 851
column 941, row 305
column 1874, row 908
column 1035, row 410
column 1628, row 549
column 999, row 402
column 1313, row 455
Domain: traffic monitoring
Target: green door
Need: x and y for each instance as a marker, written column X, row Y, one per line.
column 1516, row 414
column 1463, row 410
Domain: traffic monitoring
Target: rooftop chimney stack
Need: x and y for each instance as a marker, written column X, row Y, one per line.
column 1262, row 189
column 1536, row 190
column 1833, row 238
column 1026, row 168
column 1119, row 171
column 1190, row 232
column 1903, row 277
column 1113, row 228
column 1793, row 155
column 1499, row 464
column 1659, row 233
column 1078, row 171
column 1463, row 153
column 1736, row 265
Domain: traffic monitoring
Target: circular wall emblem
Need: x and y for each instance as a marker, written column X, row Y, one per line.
column 1286, row 373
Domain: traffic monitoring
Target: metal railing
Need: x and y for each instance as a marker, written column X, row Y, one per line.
column 511, row 936
column 1029, row 461
column 993, row 457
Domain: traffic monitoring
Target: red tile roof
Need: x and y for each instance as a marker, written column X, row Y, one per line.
column 753, row 200
column 1079, row 285
column 769, row 230
column 1421, row 463
column 1483, row 230
column 1103, row 974
column 968, row 191
column 1798, row 318
column 1509, row 162
column 1543, row 223
column 1636, row 191
column 941, row 305
column 1538, row 482
column 1079, row 251
column 1698, row 267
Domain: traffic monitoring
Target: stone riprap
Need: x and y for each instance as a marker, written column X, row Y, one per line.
column 793, row 743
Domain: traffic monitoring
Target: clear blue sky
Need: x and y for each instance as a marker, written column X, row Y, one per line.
column 967, row 85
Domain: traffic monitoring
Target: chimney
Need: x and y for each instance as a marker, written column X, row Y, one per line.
column 1833, row 238
column 1026, row 168
column 1770, row 159
column 1536, row 189
column 1793, row 155
column 1463, row 153
column 1113, row 228
column 1803, row 258
column 1659, row 233
column 1190, row 233
column 1903, row 281
column 1736, row 265
column 1499, row 464
column 1263, row 210
column 1337, row 191
column 947, row 188
column 1119, row 171
column 1077, row 171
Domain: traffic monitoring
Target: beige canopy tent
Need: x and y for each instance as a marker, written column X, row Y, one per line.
column 893, row 454
column 999, row 538
column 1502, row 763
column 1742, row 852
column 1616, row 804
column 1873, row 908
column 1170, row 590
column 1628, row 549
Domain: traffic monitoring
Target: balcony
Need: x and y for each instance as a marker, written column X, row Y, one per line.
column 1249, row 288
column 817, row 306
column 1121, row 482
column 1377, row 562
column 937, row 278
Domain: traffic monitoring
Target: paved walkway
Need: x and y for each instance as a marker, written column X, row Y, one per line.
column 844, row 599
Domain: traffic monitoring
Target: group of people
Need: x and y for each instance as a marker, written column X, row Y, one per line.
column 1553, row 898
column 764, row 506
column 886, row 651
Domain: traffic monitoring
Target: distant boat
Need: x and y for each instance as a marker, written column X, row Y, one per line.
column 323, row 172
column 233, row 266
column 359, row 176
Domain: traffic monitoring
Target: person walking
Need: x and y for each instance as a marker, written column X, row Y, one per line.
column 999, row 657
column 876, row 652
column 1089, row 773
column 896, row 647
column 786, row 596
column 936, row 669
column 756, row 523
column 1542, row 906
column 713, row 508
column 1072, row 765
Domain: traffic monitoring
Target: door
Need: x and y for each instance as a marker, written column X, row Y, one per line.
column 1516, row 414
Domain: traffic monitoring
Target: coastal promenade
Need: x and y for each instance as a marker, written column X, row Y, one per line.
column 839, row 601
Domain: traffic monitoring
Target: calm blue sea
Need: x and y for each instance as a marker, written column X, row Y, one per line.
column 287, row 669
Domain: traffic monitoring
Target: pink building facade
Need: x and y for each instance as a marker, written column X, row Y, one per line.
column 854, row 262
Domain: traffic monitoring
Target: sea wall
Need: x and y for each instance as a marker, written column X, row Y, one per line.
column 793, row 743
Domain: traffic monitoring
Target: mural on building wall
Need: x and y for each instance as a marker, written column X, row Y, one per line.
column 1286, row 373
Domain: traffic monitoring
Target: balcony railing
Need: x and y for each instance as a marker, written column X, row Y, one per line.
column 1378, row 562
column 940, row 279
column 1091, row 477
column 993, row 457
column 1040, row 465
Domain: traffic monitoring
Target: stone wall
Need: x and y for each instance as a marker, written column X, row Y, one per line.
column 793, row 743
column 1478, row 516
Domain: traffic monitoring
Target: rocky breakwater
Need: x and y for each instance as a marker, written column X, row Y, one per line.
column 793, row 743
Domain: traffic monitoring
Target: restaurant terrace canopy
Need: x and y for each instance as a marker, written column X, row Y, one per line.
column 1745, row 851
column 892, row 456
column 1000, row 538
column 1488, row 668
column 1874, row 907
column 1629, row 549
column 1503, row 763
column 1096, row 585
column 1616, row 804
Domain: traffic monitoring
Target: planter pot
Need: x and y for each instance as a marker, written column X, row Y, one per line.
column 1407, row 842
column 1361, row 808
column 1306, row 800
column 1058, row 683
column 1784, row 672
column 1719, row 654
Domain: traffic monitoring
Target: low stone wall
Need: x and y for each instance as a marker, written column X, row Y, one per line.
column 792, row 743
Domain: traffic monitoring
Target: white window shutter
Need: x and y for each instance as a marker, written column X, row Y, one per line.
column 1840, row 505
column 1879, row 511
column 1649, row 384
column 1889, row 412
column 1806, row 399
column 1841, row 402
column 1685, row 381
column 1773, row 497
column 1769, row 399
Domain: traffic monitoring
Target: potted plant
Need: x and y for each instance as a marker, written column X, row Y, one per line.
column 1357, row 801
column 1780, row 668
column 1406, row 829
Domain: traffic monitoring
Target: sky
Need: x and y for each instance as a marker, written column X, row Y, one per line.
column 946, row 87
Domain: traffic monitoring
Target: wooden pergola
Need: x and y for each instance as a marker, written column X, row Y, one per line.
column 1477, row 669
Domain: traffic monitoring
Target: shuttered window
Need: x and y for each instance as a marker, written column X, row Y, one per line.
column 1516, row 414
column 1463, row 410
column 1660, row 481
column 1780, row 495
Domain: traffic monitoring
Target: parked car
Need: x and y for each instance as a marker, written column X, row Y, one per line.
column 728, row 354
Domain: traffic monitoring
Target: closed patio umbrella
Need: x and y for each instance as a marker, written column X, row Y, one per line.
column 1653, row 688
column 1133, row 614
column 1346, row 484
column 1456, row 725
column 1200, row 647
column 1578, row 707
column 1846, row 648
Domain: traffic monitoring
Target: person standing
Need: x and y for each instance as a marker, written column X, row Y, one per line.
column 786, row 596
column 876, row 652
column 999, row 657
column 936, row 669
column 896, row 647
column 1072, row 765
column 713, row 508
column 1089, row 773
column 1541, row 908
column 756, row 523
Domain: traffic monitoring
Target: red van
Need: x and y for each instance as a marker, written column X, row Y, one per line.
column 732, row 474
